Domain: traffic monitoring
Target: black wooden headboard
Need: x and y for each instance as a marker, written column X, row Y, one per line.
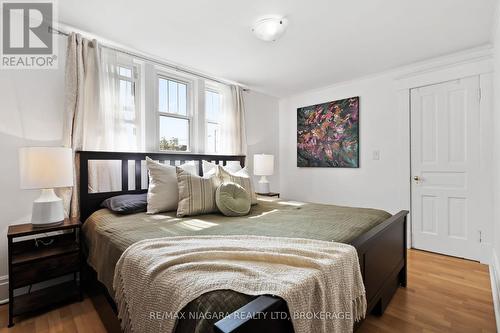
column 90, row 202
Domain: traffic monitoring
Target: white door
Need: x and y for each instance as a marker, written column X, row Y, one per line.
column 445, row 168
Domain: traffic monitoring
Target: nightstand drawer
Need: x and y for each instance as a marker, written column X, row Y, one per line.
column 35, row 257
column 26, row 274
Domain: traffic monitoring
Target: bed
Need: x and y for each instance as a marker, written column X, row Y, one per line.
column 379, row 238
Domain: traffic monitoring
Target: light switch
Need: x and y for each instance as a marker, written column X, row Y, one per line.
column 376, row 155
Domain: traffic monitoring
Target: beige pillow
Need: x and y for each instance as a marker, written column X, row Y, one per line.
column 196, row 194
column 163, row 193
column 241, row 178
column 232, row 199
column 210, row 168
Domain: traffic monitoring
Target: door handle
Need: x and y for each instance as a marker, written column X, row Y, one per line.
column 416, row 178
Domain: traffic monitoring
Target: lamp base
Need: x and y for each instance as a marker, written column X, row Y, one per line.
column 47, row 210
column 263, row 185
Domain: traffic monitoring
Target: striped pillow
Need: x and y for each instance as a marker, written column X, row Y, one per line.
column 241, row 178
column 196, row 194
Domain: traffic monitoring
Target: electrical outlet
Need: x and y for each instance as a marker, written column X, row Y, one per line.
column 376, row 155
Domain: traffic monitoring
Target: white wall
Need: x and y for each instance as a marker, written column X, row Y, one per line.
column 262, row 120
column 31, row 111
column 496, row 153
column 373, row 184
column 496, row 164
column 384, row 127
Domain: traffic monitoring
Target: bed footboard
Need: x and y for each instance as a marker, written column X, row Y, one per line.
column 383, row 262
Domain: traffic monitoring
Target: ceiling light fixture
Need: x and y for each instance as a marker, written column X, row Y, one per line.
column 270, row 29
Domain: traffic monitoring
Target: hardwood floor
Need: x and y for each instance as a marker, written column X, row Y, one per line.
column 79, row 317
column 444, row 294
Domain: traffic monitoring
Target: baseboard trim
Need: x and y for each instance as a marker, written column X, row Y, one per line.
column 486, row 253
column 4, row 289
column 495, row 286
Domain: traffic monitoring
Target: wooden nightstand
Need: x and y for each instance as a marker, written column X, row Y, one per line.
column 270, row 194
column 42, row 258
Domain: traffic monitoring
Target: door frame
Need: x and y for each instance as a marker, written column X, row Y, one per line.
column 477, row 66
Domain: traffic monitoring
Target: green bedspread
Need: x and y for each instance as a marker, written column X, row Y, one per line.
column 107, row 235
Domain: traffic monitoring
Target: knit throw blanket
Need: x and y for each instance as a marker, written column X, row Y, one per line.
column 320, row 281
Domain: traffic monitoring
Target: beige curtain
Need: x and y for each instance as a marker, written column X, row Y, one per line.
column 233, row 135
column 81, row 105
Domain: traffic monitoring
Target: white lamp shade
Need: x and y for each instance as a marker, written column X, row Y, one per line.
column 45, row 167
column 263, row 165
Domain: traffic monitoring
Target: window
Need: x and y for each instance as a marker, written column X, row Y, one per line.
column 129, row 114
column 213, row 111
column 126, row 98
column 155, row 108
column 188, row 112
column 175, row 118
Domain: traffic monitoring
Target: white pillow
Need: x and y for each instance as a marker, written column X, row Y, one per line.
column 190, row 167
column 210, row 168
column 163, row 192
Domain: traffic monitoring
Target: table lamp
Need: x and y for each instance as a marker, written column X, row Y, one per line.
column 46, row 168
column 263, row 166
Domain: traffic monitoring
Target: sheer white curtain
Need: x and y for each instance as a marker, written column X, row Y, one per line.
column 116, row 126
column 100, row 113
column 119, row 115
column 233, row 135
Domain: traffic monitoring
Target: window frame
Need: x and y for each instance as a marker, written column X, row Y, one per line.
column 213, row 89
column 165, row 75
column 135, row 81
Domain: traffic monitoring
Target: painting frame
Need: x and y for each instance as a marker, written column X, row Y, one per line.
column 328, row 134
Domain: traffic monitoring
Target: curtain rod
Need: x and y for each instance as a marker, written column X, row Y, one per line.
column 158, row 62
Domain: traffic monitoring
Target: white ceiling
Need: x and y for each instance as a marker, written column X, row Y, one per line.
column 327, row 41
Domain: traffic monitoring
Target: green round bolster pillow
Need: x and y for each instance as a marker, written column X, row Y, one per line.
column 232, row 199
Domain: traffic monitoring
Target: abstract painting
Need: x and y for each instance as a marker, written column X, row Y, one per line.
column 328, row 134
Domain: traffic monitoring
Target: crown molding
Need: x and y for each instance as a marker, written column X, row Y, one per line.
column 468, row 56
